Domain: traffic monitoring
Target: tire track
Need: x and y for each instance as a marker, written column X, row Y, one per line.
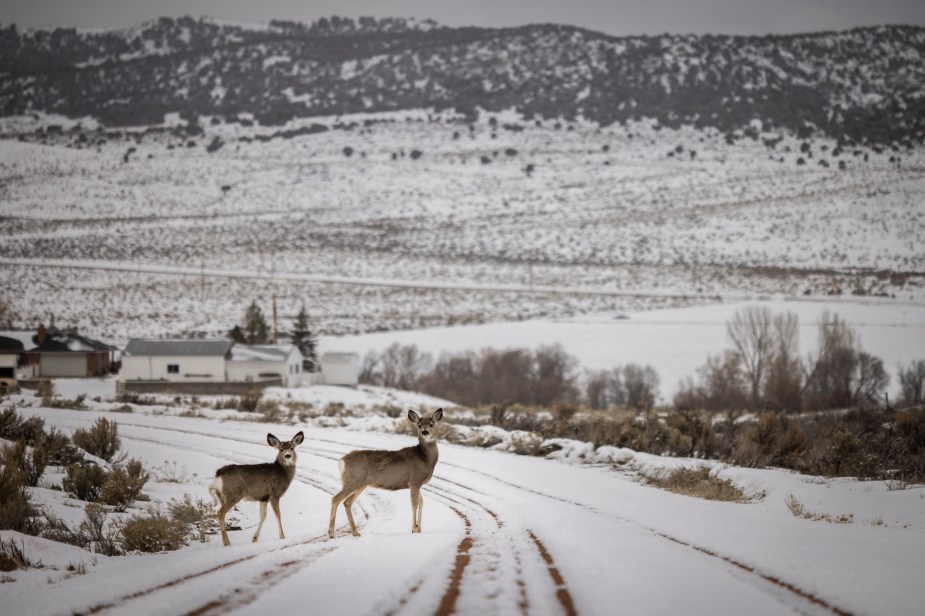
column 794, row 591
column 271, row 575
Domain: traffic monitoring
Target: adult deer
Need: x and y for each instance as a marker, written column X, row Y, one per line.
column 409, row 468
column 256, row 482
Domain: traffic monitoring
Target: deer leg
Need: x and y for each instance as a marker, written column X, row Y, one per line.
column 415, row 503
column 336, row 500
column 348, row 507
column 274, row 502
column 224, row 509
column 263, row 516
column 420, row 510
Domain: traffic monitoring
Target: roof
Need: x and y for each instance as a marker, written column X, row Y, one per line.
column 68, row 342
column 24, row 337
column 11, row 345
column 262, row 352
column 177, row 348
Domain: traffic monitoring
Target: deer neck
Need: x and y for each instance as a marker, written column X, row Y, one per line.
column 429, row 450
column 289, row 469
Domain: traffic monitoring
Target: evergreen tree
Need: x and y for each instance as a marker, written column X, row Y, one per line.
column 256, row 330
column 305, row 340
column 237, row 335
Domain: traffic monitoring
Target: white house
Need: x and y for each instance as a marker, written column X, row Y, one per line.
column 340, row 368
column 176, row 360
column 257, row 362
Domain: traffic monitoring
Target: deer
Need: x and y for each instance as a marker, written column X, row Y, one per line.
column 256, row 482
column 408, row 468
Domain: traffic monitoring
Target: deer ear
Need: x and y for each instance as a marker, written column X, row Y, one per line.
column 297, row 439
column 414, row 416
column 272, row 440
column 438, row 415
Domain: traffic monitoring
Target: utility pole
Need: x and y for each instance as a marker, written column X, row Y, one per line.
column 275, row 328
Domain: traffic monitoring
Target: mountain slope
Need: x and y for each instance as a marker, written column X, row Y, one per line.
column 863, row 85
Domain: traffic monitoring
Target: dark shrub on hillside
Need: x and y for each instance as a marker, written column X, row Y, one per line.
column 102, row 440
column 31, row 462
column 123, row 485
column 14, row 428
column 84, row 481
column 16, row 510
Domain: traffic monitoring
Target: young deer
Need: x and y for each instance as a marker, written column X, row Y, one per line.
column 256, row 482
column 409, row 468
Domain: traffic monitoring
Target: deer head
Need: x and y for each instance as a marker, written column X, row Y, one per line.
column 427, row 426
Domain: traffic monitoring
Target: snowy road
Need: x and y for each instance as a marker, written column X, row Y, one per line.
column 502, row 534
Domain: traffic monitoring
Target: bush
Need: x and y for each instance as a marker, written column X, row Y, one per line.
column 16, row 510
column 60, row 450
column 31, row 463
column 198, row 516
column 698, row 483
column 101, row 534
column 14, row 556
column 123, row 485
column 14, row 428
column 102, row 440
column 153, row 532
column 84, row 481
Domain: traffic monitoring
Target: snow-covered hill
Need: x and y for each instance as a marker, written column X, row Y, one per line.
column 859, row 85
column 410, row 219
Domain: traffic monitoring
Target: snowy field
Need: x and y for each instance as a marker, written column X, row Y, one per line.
column 383, row 239
column 676, row 342
column 502, row 534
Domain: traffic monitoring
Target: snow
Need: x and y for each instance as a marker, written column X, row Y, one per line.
column 611, row 539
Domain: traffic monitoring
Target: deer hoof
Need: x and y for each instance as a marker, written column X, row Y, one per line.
column 254, row 539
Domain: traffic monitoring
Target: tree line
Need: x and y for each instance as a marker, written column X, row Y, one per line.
column 761, row 370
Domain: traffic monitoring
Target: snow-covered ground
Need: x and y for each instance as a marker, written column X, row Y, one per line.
column 201, row 235
column 676, row 342
column 502, row 534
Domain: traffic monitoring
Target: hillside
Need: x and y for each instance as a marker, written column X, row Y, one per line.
column 863, row 85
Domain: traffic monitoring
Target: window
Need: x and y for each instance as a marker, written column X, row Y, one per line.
column 173, row 368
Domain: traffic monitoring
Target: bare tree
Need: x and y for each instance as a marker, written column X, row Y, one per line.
column 912, row 384
column 783, row 388
column 752, row 334
column 641, row 386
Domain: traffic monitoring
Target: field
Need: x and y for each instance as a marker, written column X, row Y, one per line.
column 414, row 219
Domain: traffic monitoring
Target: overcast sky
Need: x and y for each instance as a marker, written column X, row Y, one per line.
column 611, row 16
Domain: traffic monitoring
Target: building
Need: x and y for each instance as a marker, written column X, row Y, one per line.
column 60, row 353
column 255, row 362
column 340, row 369
column 178, row 361
column 13, row 356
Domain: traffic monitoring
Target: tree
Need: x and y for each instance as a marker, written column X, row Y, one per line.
column 641, row 385
column 304, row 339
column 784, row 383
column 256, row 330
column 237, row 335
column 912, row 384
column 751, row 333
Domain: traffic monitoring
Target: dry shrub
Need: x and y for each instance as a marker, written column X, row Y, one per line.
column 123, row 485
column 14, row 556
column 84, row 481
column 31, row 462
column 198, row 516
column 102, row 440
column 152, row 531
column 797, row 508
column 16, row 510
column 15, row 428
column 60, row 450
column 101, row 534
column 698, row 482
column 76, row 404
column 270, row 411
